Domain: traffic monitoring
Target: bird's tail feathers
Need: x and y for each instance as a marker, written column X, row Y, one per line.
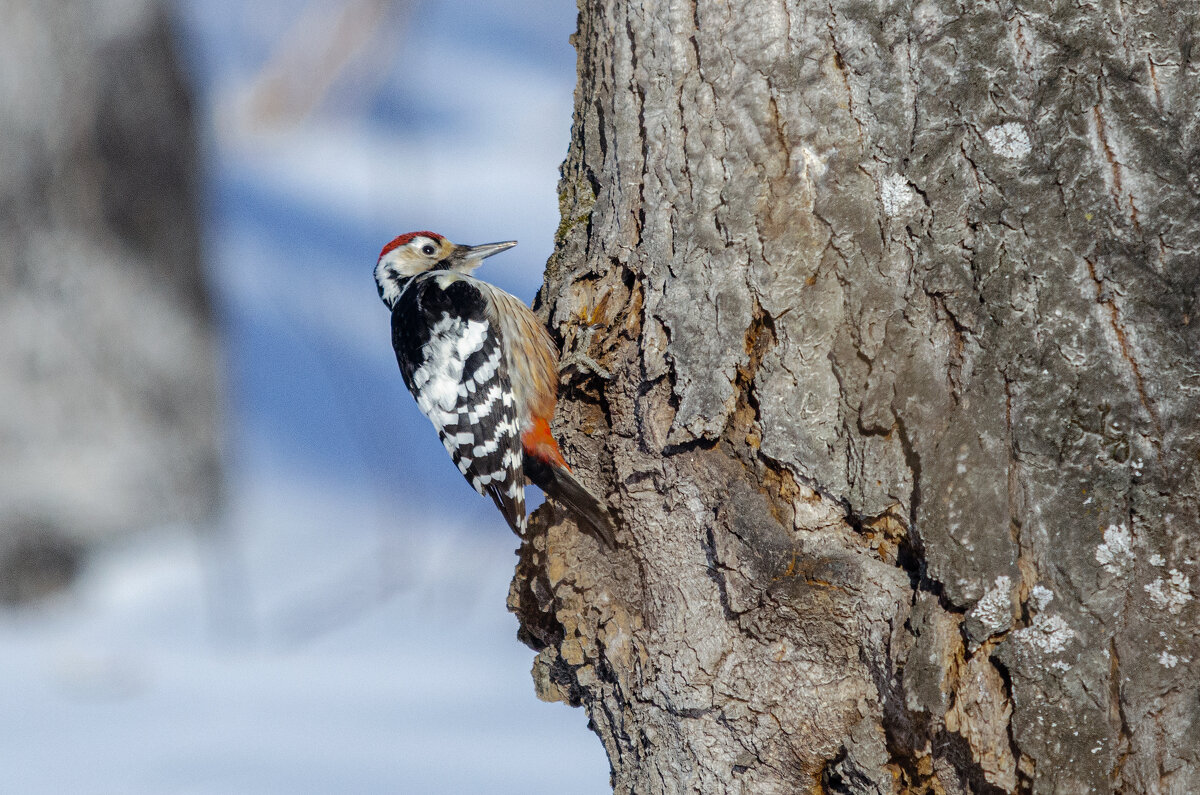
column 561, row 486
column 513, row 507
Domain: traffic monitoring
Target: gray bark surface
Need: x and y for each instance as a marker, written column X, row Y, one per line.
column 901, row 303
column 108, row 387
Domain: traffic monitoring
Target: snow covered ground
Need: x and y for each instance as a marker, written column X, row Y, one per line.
column 287, row 659
column 343, row 629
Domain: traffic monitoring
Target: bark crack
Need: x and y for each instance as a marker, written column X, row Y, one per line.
column 840, row 63
column 1106, row 299
column 1116, row 184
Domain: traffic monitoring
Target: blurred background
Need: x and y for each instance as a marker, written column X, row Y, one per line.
column 233, row 555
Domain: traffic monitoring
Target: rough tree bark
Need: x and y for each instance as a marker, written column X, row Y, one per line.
column 900, row 301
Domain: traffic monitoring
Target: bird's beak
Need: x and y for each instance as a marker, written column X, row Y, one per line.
column 466, row 259
column 484, row 251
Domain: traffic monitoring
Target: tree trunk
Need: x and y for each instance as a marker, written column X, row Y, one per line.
column 901, row 306
column 108, row 371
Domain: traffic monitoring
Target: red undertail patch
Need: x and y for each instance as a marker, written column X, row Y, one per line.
column 539, row 443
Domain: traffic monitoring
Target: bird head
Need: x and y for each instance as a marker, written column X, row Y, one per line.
column 415, row 253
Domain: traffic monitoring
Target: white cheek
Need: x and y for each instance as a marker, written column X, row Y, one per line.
column 388, row 289
column 406, row 267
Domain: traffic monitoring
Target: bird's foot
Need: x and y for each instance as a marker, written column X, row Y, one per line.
column 579, row 357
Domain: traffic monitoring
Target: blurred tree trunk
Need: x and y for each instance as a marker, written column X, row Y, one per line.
column 901, row 305
column 108, row 384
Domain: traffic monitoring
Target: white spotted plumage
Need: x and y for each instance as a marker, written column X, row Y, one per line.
column 470, row 406
column 451, row 341
column 482, row 368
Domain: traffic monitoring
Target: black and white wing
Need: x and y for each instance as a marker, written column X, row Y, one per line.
column 452, row 360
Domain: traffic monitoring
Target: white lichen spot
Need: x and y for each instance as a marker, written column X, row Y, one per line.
column 1040, row 596
column 1167, row 660
column 813, row 164
column 961, row 460
column 994, row 608
column 895, row 193
column 1157, row 560
column 1061, row 665
column 1009, row 140
column 1117, row 550
column 1171, row 594
column 1047, row 634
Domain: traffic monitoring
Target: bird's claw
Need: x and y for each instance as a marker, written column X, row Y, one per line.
column 579, row 356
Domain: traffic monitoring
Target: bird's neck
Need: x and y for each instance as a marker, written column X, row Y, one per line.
column 393, row 289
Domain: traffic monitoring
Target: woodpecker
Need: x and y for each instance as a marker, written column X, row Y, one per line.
column 484, row 371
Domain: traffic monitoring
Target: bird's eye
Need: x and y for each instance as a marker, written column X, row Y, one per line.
column 428, row 250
